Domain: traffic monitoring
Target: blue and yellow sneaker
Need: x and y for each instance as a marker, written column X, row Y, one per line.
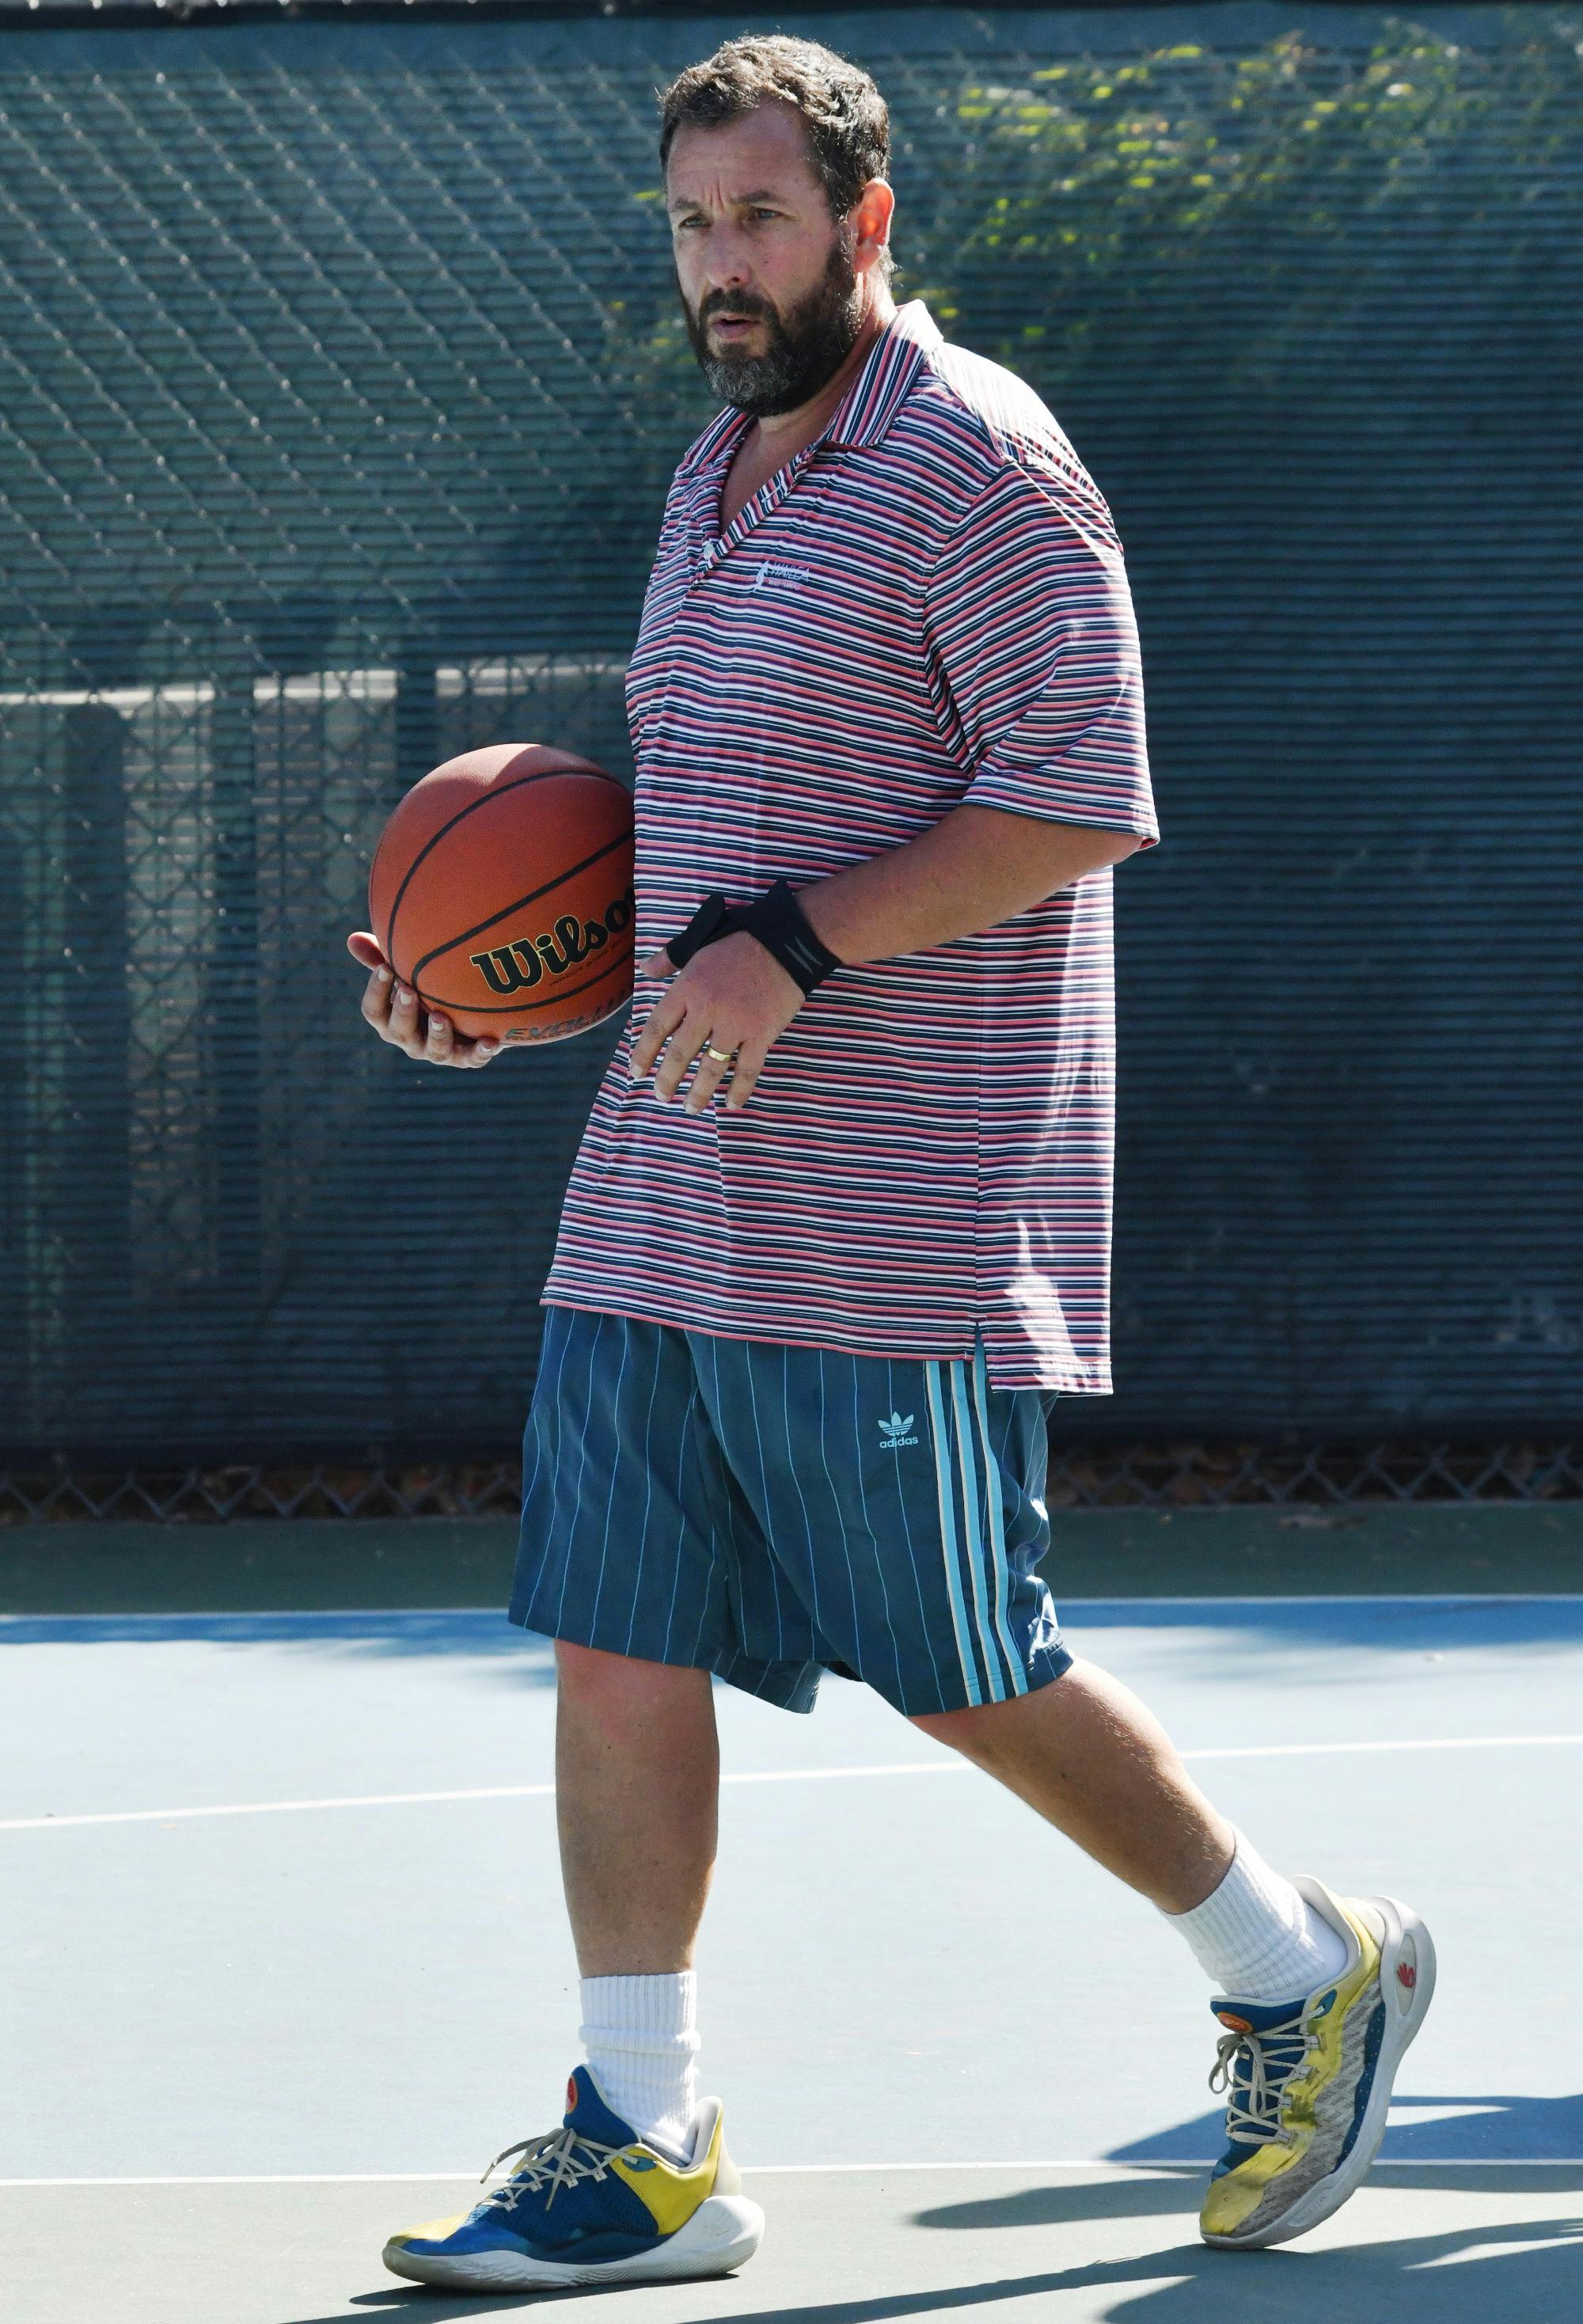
column 591, row 2204
column 1308, row 2087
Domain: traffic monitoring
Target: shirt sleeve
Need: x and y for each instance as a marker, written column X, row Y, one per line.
column 1037, row 674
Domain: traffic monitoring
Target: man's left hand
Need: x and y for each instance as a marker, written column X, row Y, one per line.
column 731, row 996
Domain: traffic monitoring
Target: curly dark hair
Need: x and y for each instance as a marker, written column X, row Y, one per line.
column 846, row 118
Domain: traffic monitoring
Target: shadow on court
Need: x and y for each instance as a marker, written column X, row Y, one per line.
column 472, row 1634
column 1472, row 2130
column 1476, row 2273
column 1501, row 2272
column 1243, row 1633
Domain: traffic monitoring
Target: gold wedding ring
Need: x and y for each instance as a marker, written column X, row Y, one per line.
column 721, row 1056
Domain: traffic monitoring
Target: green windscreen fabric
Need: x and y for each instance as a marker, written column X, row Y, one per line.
column 341, row 378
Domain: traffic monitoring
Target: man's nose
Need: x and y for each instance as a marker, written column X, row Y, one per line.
column 727, row 261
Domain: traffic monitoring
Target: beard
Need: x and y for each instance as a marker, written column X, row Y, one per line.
column 806, row 345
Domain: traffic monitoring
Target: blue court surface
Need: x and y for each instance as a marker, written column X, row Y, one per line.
column 285, row 1964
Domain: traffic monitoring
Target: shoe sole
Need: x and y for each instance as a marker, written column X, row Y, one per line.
column 723, row 2233
column 1404, row 1943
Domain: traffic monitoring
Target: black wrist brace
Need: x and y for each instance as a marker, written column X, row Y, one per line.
column 776, row 920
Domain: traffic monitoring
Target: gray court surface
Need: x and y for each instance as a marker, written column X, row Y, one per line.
column 284, row 1963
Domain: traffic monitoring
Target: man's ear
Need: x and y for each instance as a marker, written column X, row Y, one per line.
column 870, row 217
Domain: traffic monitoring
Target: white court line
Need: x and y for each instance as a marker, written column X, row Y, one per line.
column 1315, row 1597
column 937, row 1767
column 1196, row 2163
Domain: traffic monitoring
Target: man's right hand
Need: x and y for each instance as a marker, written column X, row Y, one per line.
column 392, row 1009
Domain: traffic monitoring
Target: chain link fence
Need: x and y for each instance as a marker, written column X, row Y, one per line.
column 1165, row 1477
column 340, row 381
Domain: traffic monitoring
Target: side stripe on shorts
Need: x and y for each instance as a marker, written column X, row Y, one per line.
column 940, row 1436
column 976, row 1569
column 972, row 1530
column 1001, row 1564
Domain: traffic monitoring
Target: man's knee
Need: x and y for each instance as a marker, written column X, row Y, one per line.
column 620, row 1687
column 990, row 1732
column 974, row 1731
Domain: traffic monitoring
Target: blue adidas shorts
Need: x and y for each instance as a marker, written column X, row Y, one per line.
column 767, row 1513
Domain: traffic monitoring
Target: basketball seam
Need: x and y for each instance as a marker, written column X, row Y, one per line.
column 518, row 782
column 466, row 935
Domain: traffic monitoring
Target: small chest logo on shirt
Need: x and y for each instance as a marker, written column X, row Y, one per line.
column 788, row 578
column 893, row 1432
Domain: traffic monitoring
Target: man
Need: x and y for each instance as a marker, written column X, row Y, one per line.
column 840, row 1222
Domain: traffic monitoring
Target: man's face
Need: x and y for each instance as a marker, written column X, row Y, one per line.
column 772, row 301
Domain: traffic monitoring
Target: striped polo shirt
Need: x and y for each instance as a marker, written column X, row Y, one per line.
column 925, row 606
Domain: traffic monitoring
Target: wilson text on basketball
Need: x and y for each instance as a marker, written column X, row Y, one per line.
column 527, row 961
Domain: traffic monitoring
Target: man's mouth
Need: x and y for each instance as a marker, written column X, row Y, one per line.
column 732, row 326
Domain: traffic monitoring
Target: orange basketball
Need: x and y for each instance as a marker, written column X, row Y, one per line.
column 502, row 892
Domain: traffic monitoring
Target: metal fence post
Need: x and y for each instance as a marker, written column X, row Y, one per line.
column 232, row 1017
column 90, row 1187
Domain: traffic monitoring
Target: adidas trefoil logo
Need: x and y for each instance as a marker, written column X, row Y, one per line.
column 893, row 1432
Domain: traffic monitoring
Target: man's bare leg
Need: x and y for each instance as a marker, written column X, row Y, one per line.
column 1095, row 1762
column 638, row 1771
column 637, row 1800
column 636, row 1803
column 1320, row 1995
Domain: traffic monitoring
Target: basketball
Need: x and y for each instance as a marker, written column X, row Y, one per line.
column 502, row 892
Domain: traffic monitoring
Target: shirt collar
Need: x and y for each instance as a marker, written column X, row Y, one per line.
column 892, row 364
column 870, row 403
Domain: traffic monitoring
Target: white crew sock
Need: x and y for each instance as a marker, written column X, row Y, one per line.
column 641, row 2040
column 1257, row 1937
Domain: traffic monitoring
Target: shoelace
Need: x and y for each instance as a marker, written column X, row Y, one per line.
column 556, row 2158
column 1253, row 2113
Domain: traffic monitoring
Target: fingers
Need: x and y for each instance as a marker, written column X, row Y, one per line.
column 440, row 1044
column 744, row 1073
column 732, row 1000
column 670, row 1040
column 394, row 1012
column 469, row 1054
column 711, row 1073
column 376, row 1001
column 661, row 1022
column 680, row 1050
column 658, row 965
column 402, row 1026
